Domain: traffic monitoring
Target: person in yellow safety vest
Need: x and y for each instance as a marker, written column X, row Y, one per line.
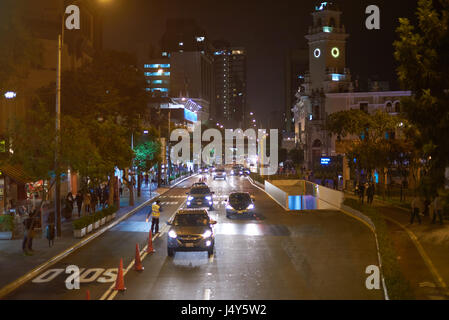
column 156, row 212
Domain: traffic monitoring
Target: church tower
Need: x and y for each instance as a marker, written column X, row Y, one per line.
column 327, row 51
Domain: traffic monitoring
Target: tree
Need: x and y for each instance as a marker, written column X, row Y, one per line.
column 108, row 96
column 371, row 135
column 33, row 144
column 422, row 52
column 19, row 52
column 148, row 154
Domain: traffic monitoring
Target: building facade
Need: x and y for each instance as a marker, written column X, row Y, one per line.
column 328, row 88
column 230, row 68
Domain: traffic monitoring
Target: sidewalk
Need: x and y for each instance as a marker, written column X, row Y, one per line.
column 14, row 264
column 423, row 250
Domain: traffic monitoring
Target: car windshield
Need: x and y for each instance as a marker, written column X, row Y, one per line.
column 200, row 190
column 239, row 198
column 199, row 219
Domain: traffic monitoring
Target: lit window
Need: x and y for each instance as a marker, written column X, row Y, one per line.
column 164, row 54
column 181, row 44
column 200, row 39
column 327, row 29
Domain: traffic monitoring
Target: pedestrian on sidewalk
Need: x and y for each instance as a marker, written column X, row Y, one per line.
column 362, row 192
column 79, row 203
column 370, row 193
column 87, row 201
column 437, row 209
column 417, row 206
column 94, row 200
column 28, row 235
column 50, row 233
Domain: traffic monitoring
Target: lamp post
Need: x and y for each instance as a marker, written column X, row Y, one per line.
column 58, row 120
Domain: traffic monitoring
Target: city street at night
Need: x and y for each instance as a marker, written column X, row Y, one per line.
column 274, row 255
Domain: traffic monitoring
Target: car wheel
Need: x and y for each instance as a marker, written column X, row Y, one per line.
column 170, row 252
column 210, row 253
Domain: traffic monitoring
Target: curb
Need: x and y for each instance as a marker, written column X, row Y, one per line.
column 31, row 274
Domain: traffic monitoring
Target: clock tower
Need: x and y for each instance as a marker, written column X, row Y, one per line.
column 327, row 51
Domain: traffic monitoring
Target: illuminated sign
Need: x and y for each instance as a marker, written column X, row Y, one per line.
column 190, row 116
column 325, row 161
column 321, row 7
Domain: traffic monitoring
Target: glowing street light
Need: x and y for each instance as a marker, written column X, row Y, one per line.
column 10, row 95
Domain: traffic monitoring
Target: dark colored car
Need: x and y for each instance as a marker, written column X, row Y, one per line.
column 219, row 174
column 191, row 230
column 203, row 170
column 200, row 197
column 236, row 171
column 240, row 203
column 199, row 184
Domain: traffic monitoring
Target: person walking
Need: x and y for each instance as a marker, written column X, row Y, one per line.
column 50, row 233
column 93, row 201
column 362, row 192
column 156, row 213
column 87, row 202
column 437, row 209
column 79, row 203
column 27, row 243
column 416, row 209
column 370, row 193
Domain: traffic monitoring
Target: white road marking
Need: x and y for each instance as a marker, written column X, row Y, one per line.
column 207, row 294
column 143, row 255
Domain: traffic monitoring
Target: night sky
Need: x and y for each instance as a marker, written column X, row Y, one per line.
column 267, row 29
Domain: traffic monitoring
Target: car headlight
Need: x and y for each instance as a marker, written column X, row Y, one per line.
column 209, row 198
column 229, row 207
column 232, row 171
column 190, row 198
column 250, row 207
column 172, row 234
column 224, row 174
column 207, row 234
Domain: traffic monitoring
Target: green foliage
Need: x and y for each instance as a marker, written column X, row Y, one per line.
column 372, row 144
column 6, row 223
column 87, row 220
column 397, row 285
column 422, row 52
column 147, row 155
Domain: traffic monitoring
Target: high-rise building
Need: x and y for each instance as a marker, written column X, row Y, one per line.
column 230, row 84
column 187, row 53
column 297, row 65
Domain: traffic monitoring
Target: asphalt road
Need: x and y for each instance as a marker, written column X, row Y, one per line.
column 275, row 255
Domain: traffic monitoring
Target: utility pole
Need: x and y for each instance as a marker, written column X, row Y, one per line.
column 58, row 127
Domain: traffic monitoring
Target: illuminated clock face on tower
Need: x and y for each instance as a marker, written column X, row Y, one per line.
column 317, row 53
column 335, row 52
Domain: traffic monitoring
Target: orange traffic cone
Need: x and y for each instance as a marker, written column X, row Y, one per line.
column 87, row 295
column 150, row 248
column 120, row 283
column 138, row 262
